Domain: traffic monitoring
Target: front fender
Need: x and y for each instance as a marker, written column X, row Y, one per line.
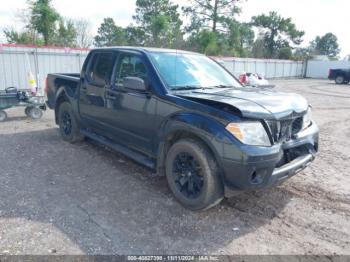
column 203, row 126
column 211, row 131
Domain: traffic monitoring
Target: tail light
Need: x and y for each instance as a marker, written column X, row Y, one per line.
column 46, row 86
column 329, row 72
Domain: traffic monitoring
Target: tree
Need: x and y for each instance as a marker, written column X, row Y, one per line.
column 135, row 35
column 258, row 49
column 84, row 37
column 239, row 37
column 210, row 14
column 285, row 53
column 43, row 18
column 278, row 33
column 302, row 53
column 109, row 34
column 66, row 34
column 160, row 21
column 246, row 35
column 217, row 16
column 205, row 42
column 43, row 25
column 325, row 45
column 25, row 37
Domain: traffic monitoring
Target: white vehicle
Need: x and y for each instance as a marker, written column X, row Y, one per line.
column 254, row 79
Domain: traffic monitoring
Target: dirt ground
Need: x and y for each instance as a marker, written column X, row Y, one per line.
column 57, row 198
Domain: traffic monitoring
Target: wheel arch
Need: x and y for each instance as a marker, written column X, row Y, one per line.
column 60, row 98
column 197, row 127
column 340, row 74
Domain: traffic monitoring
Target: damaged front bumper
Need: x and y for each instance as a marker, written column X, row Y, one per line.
column 264, row 167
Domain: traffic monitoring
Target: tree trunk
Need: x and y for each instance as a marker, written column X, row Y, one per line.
column 46, row 37
column 215, row 16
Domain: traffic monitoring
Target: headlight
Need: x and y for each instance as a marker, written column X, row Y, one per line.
column 307, row 119
column 249, row 133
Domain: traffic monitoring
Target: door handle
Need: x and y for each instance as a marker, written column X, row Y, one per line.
column 111, row 97
column 111, row 94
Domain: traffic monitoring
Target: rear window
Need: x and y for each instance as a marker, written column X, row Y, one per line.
column 101, row 67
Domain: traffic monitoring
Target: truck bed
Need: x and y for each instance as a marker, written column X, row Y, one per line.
column 71, row 76
column 55, row 81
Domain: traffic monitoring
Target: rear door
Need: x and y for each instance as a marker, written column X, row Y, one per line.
column 93, row 84
column 131, row 112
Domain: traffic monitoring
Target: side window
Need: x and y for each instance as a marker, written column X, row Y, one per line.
column 101, row 68
column 130, row 65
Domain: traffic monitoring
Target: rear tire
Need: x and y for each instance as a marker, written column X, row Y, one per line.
column 339, row 80
column 3, row 116
column 193, row 175
column 68, row 124
column 35, row 113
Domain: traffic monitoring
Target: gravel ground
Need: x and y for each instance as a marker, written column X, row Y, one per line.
column 58, row 198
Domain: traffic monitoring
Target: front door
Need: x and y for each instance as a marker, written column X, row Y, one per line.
column 131, row 112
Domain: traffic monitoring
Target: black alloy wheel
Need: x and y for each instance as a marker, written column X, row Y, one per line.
column 193, row 175
column 187, row 175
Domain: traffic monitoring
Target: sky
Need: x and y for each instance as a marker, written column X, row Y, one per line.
column 315, row 17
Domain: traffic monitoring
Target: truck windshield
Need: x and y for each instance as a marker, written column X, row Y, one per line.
column 182, row 71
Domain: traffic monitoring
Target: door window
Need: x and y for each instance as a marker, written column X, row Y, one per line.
column 130, row 66
column 101, row 68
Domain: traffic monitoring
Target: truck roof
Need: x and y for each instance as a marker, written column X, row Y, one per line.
column 146, row 49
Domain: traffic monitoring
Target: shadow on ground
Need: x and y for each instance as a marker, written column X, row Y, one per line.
column 106, row 204
column 17, row 118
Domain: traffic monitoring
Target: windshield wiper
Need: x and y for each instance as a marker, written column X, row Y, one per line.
column 223, row 86
column 189, row 87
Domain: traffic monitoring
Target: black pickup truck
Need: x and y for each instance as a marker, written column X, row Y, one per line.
column 185, row 116
column 341, row 76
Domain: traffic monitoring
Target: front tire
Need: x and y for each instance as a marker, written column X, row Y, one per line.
column 68, row 124
column 339, row 80
column 193, row 175
column 34, row 113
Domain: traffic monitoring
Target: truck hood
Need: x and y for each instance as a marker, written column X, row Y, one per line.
column 253, row 102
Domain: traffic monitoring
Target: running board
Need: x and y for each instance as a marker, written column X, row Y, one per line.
column 138, row 157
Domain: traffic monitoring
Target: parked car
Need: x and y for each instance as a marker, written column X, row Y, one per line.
column 254, row 79
column 341, row 76
column 187, row 117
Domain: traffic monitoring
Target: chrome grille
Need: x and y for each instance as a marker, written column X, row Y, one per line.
column 297, row 125
column 284, row 130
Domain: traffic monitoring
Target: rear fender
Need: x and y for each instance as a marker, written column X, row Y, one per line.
column 64, row 94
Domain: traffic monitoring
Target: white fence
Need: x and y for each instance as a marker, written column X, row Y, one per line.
column 320, row 69
column 16, row 61
column 270, row 68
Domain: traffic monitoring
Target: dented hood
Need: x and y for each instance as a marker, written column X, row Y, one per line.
column 253, row 102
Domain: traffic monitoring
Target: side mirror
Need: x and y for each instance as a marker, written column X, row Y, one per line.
column 134, row 83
